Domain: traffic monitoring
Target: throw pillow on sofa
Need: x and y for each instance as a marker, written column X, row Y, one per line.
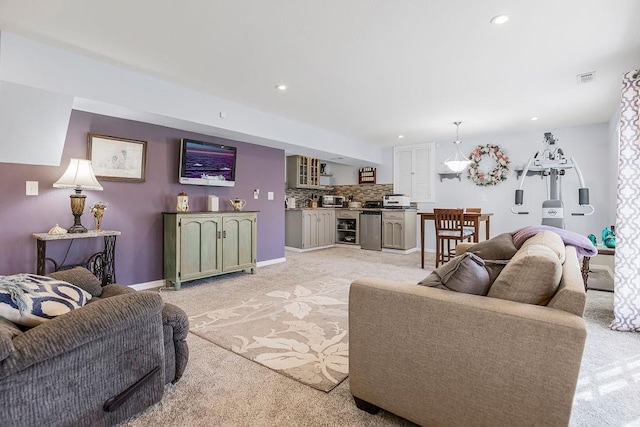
column 549, row 239
column 532, row 276
column 500, row 247
column 466, row 273
column 29, row 299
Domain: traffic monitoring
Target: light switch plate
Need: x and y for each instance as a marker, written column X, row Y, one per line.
column 32, row 188
column 270, row 195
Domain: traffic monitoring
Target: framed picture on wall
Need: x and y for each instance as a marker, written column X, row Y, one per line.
column 117, row 159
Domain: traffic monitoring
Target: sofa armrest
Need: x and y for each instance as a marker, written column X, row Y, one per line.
column 64, row 333
column 441, row 357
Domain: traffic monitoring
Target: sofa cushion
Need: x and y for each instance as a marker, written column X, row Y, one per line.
column 532, row 276
column 549, row 239
column 465, row 273
column 80, row 277
column 29, row 300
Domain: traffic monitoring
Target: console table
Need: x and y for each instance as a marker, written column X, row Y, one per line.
column 102, row 264
column 602, row 250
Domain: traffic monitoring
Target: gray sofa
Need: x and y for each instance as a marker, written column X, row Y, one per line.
column 96, row 365
column 437, row 357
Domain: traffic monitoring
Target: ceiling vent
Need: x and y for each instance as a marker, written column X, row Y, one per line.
column 586, row 77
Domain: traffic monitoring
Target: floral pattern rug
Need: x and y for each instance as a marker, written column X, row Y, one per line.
column 300, row 331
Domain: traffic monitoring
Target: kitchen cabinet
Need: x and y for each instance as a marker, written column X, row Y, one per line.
column 347, row 226
column 399, row 229
column 309, row 228
column 303, row 172
column 204, row 244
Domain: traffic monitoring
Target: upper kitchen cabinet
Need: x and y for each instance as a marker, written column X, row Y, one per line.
column 414, row 171
column 303, row 172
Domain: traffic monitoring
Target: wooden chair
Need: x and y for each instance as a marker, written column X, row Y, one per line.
column 449, row 228
column 471, row 224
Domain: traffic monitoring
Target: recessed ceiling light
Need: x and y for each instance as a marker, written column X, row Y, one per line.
column 534, row 118
column 400, row 136
column 499, row 20
column 281, row 87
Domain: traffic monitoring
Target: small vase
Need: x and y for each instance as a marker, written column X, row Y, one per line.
column 98, row 214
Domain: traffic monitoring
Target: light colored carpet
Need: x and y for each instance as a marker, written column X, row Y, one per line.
column 219, row 388
column 298, row 330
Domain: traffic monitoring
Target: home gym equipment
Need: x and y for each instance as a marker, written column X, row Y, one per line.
column 552, row 164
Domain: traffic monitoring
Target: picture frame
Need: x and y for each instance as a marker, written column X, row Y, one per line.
column 117, row 159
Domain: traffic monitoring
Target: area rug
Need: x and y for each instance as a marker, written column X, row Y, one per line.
column 299, row 331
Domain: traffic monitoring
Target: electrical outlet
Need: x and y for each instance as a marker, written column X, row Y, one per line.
column 32, row 188
column 270, row 195
column 256, row 193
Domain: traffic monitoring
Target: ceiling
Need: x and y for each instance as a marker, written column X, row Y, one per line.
column 367, row 69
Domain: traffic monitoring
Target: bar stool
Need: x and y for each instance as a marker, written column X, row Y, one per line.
column 471, row 223
column 450, row 227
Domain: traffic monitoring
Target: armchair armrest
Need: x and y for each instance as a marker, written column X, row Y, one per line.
column 441, row 357
column 114, row 289
column 91, row 322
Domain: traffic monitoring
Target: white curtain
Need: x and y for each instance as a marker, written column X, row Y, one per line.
column 627, row 272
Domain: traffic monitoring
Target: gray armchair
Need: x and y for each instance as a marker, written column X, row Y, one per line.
column 97, row 365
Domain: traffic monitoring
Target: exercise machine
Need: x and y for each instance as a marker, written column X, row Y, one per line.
column 552, row 164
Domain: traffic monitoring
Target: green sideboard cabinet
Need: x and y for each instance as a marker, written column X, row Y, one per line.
column 205, row 244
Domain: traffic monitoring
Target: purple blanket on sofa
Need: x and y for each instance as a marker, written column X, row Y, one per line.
column 582, row 244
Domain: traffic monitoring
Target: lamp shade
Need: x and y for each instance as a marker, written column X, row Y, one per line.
column 79, row 175
column 458, row 161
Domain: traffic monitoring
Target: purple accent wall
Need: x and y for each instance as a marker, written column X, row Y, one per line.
column 134, row 208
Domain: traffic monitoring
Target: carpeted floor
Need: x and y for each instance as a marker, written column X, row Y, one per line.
column 220, row 388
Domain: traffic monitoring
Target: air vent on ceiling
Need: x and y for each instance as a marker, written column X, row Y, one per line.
column 586, row 77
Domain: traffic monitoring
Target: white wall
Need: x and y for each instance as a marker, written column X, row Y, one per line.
column 348, row 175
column 589, row 145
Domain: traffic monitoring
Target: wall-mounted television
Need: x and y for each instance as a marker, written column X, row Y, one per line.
column 207, row 163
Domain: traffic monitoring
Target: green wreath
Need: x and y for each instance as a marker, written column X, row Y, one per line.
column 495, row 175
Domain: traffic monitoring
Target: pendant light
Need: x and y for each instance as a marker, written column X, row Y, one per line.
column 458, row 161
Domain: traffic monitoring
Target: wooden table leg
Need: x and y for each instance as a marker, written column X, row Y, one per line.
column 476, row 230
column 585, row 271
column 486, row 228
column 422, row 221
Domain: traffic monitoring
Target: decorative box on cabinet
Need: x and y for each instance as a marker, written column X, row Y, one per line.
column 303, row 172
column 204, row 244
column 399, row 229
column 309, row 228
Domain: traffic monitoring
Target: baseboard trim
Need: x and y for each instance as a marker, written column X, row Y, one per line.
column 149, row 285
column 161, row 283
column 289, row 248
column 271, row 261
column 400, row 251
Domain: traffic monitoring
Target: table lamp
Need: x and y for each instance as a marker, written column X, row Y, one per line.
column 79, row 176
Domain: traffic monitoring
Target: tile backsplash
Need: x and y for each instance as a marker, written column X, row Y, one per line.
column 360, row 193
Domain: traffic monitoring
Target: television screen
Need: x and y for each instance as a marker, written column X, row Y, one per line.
column 207, row 163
